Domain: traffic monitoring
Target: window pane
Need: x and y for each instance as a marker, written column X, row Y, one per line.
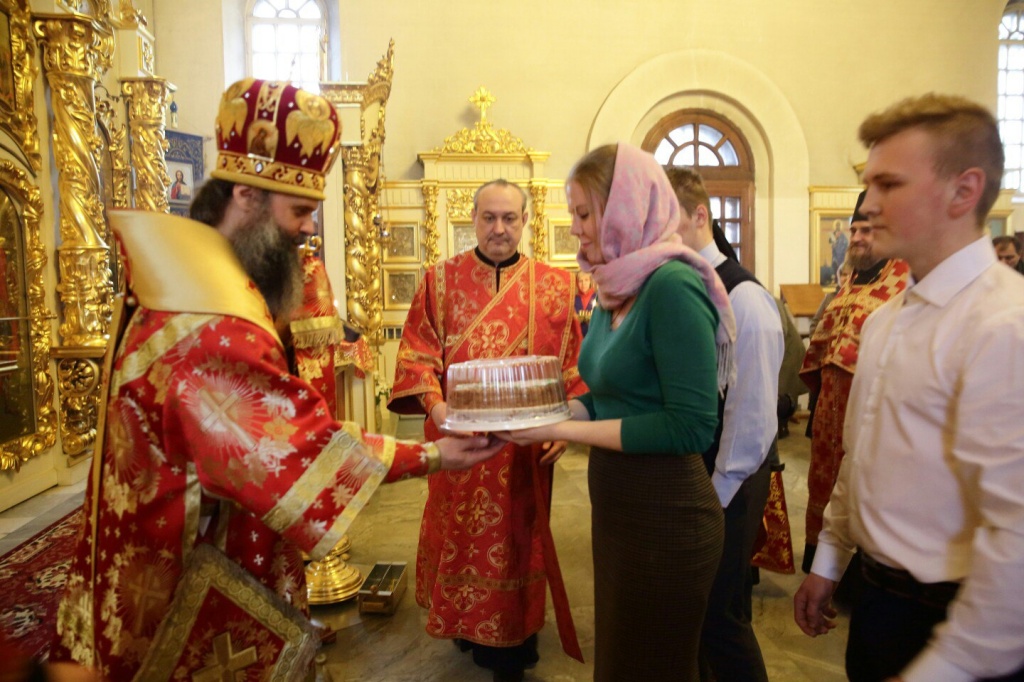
column 1009, row 132
column 681, row 135
column 264, row 66
column 310, row 67
column 707, row 156
column 288, row 38
column 664, row 152
column 736, row 247
column 310, row 11
column 716, row 207
column 296, row 4
column 685, row 157
column 1016, row 57
column 1011, row 180
column 309, row 38
column 1015, row 83
column 1002, row 83
column 278, row 5
column 732, row 208
column 263, row 10
column 732, row 231
column 1012, row 156
column 286, row 14
column 709, row 135
column 284, row 66
column 1002, row 56
column 728, row 153
column 1015, row 108
column 263, row 38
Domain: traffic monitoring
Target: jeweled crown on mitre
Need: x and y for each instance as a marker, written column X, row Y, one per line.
column 277, row 137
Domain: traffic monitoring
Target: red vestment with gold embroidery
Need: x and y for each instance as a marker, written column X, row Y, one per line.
column 828, row 368
column 481, row 567
column 209, row 439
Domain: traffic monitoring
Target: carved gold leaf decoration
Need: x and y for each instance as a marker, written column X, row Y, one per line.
column 460, row 203
column 432, row 235
column 538, row 221
column 484, row 138
column 17, row 108
column 19, row 185
column 147, row 101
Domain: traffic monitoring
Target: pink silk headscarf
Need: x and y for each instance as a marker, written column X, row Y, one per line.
column 639, row 233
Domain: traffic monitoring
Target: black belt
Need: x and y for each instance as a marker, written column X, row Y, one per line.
column 902, row 584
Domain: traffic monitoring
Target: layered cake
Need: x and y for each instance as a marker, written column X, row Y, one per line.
column 505, row 394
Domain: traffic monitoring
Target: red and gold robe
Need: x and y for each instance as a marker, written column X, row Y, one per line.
column 485, row 550
column 208, row 439
column 828, row 368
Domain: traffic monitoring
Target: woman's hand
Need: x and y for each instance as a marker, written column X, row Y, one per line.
column 553, row 451
column 463, row 453
column 539, row 434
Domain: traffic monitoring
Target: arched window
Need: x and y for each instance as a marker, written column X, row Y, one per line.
column 1011, row 93
column 286, row 41
column 713, row 147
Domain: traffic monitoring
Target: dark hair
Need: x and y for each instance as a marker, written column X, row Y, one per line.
column 211, row 201
column 965, row 135
column 500, row 182
column 1004, row 240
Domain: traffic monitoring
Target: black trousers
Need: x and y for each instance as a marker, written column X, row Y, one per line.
column 887, row 631
column 729, row 651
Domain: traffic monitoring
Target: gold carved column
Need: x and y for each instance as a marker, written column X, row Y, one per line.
column 538, row 220
column 76, row 51
column 432, row 234
column 362, row 250
column 146, row 99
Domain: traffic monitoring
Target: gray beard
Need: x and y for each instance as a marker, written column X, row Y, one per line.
column 272, row 261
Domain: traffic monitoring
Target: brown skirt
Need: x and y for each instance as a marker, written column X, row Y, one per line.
column 657, row 536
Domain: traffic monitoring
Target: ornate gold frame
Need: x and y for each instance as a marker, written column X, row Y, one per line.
column 19, row 121
column 18, row 183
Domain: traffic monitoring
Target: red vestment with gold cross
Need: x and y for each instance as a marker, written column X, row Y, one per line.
column 485, row 553
column 208, row 439
column 828, row 368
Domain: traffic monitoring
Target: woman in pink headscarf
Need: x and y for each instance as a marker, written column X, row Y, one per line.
column 655, row 357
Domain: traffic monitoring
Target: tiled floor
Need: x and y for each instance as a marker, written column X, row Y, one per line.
column 396, row 649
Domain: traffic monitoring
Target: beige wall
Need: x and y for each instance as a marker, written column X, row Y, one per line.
column 796, row 75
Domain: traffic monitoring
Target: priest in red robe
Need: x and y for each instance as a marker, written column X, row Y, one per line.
column 485, row 553
column 217, row 465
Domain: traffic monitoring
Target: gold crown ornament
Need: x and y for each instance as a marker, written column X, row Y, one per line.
column 277, row 137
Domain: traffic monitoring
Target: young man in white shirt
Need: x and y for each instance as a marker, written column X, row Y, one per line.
column 932, row 488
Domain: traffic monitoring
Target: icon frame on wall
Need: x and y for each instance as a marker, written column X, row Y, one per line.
column 184, row 155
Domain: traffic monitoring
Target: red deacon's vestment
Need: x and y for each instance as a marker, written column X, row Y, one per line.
column 828, row 368
column 209, row 439
column 485, row 546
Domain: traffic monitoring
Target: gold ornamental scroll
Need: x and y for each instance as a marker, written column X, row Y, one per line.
column 147, row 99
column 21, row 187
column 76, row 51
column 431, row 233
column 538, row 220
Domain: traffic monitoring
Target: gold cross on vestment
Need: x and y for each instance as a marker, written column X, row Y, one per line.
column 219, row 415
column 225, row 662
column 482, row 99
column 146, row 590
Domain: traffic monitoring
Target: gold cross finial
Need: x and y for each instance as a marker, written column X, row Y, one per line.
column 482, row 99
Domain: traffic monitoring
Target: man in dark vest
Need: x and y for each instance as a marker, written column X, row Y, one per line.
column 737, row 461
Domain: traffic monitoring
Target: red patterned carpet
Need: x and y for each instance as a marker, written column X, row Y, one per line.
column 33, row 576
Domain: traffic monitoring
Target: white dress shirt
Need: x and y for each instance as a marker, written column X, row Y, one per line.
column 933, row 482
column 751, row 421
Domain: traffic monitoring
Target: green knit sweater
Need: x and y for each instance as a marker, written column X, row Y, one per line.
column 657, row 371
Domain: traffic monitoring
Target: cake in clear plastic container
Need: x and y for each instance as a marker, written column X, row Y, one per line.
column 504, row 394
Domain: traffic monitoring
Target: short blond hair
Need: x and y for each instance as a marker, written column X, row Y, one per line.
column 966, row 136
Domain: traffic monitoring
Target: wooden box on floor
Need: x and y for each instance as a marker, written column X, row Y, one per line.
column 383, row 588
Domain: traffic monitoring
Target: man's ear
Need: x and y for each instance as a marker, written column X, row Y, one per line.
column 247, row 196
column 967, row 190
column 701, row 217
